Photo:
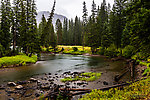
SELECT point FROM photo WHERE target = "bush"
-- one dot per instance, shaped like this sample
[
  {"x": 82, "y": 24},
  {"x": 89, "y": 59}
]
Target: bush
[
  {"x": 128, "y": 51},
  {"x": 75, "y": 48},
  {"x": 140, "y": 56},
  {"x": 111, "y": 51},
  {"x": 101, "y": 50}
]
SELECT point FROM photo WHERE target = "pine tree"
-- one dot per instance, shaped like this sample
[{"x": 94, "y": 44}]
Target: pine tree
[
  {"x": 59, "y": 31},
  {"x": 23, "y": 28},
  {"x": 49, "y": 37},
  {"x": 34, "y": 43},
  {"x": 42, "y": 25},
  {"x": 94, "y": 11},
  {"x": 65, "y": 32},
  {"x": 85, "y": 14},
  {"x": 102, "y": 20},
  {"x": 117, "y": 22},
  {"x": 137, "y": 26},
  {"x": 16, "y": 23},
  {"x": 71, "y": 31},
  {"x": 77, "y": 32},
  {"x": 5, "y": 24}
]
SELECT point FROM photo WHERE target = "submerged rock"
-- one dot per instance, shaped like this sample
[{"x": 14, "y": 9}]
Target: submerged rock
[
  {"x": 22, "y": 82},
  {"x": 2, "y": 87},
  {"x": 28, "y": 95},
  {"x": 19, "y": 87},
  {"x": 11, "y": 99},
  {"x": 37, "y": 94},
  {"x": 11, "y": 84},
  {"x": 33, "y": 79},
  {"x": 45, "y": 86},
  {"x": 105, "y": 83}
]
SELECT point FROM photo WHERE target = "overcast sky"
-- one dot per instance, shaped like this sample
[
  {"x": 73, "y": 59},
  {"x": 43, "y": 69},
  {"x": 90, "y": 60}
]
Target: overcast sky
[{"x": 68, "y": 8}]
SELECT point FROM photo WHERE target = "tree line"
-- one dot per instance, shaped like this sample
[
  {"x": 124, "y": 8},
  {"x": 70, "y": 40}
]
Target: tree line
[
  {"x": 126, "y": 25},
  {"x": 18, "y": 27}
]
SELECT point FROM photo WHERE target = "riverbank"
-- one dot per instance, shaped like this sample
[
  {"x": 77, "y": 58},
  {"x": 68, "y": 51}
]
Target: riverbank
[
  {"x": 40, "y": 85},
  {"x": 18, "y": 60}
]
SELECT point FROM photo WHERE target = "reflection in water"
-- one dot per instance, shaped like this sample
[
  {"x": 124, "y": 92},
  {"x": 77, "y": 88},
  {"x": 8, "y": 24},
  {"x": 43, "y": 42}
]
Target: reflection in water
[{"x": 53, "y": 63}]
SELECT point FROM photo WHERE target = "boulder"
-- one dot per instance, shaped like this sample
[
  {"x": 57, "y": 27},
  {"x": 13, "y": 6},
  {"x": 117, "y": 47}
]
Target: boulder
[
  {"x": 33, "y": 80},
  {"x": 19, "y": 87},
  {"x": 11, "y": 84},
  {"x": 45, "y": 86},
  {"x": 11, "y": 99}
]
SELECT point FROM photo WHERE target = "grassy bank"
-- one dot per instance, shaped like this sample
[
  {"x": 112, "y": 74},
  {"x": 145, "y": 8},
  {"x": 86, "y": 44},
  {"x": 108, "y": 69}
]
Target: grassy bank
[
  {"x": 17, "y": 60},
  {"x": 74, "y": 50},
  {"x": 139, "y": 90},
  {"x": 90, "y": 76}
]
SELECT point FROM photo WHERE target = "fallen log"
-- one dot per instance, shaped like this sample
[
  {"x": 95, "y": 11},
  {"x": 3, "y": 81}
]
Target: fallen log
[
  {"x": 52, "y": 92},
  {"x": 117, "y": 78}
]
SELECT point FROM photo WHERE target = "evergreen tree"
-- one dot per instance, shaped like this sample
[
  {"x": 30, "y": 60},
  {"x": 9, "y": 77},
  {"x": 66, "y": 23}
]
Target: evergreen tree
[
  {"x": 34, "y": 43},
  {"x": 48, "y": 36},
  {"x": 94, "y": 11},
  {"x": 5, "y": 24},
  {"x": 16, "y": 23},
  {"x": 77, "y": 32},
  {"x": 85, "y": 14},
  {"x": 117, "y": 22},
  {"x": 71, "y": 31},
  {"x": 42, "y": 25},
  {"x": 59, "y": 31},
  {"x": 137, "y": 26},
  {"x": 102, "y": 20},
  {"x": 65, "y": 32}
]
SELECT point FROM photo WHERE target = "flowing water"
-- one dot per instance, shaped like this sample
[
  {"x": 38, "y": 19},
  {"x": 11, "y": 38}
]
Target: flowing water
[{"x": 61, "y": 63}]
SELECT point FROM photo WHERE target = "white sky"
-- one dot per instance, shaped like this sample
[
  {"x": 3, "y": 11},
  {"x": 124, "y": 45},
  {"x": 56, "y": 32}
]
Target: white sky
[{"x": 68, "y": 8}]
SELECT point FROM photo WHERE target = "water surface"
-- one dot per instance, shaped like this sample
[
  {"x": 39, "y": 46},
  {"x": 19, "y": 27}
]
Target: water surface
[{"x": 61, "y": 63}]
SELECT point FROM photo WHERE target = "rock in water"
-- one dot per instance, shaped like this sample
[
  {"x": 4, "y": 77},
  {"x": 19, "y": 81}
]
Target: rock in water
[
  {"x": 105, "y": 83},
  {"x": 19, "y": 87},
  {"x": 2, "y": 87},
  {"x": 11, "y": 84},
  {"x": 45, "y": 86},
  {"x": 33, "y": 79},
  {"x": 11, "y": 99}
]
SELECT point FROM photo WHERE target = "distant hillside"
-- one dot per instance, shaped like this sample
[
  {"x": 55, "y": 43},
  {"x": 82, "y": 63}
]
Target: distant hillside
[{"x": 46, "y": 14}]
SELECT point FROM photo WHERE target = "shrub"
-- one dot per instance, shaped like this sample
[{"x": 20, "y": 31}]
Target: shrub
[
  {"x": 128, "y": 51},
  {"x": 140, "y": 56},
  {"x": 101, "y": 50},
  {"x": 75, "y": 48},
  {"x": 111, "y": 51}
]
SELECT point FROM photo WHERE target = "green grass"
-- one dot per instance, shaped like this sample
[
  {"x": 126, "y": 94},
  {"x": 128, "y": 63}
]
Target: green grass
[
  {"x": 18, "y": 59},
  {"x": 90, "y": 76},
  {"x": 69, "y": 49},
  {"x": 139, "y": 90}
]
